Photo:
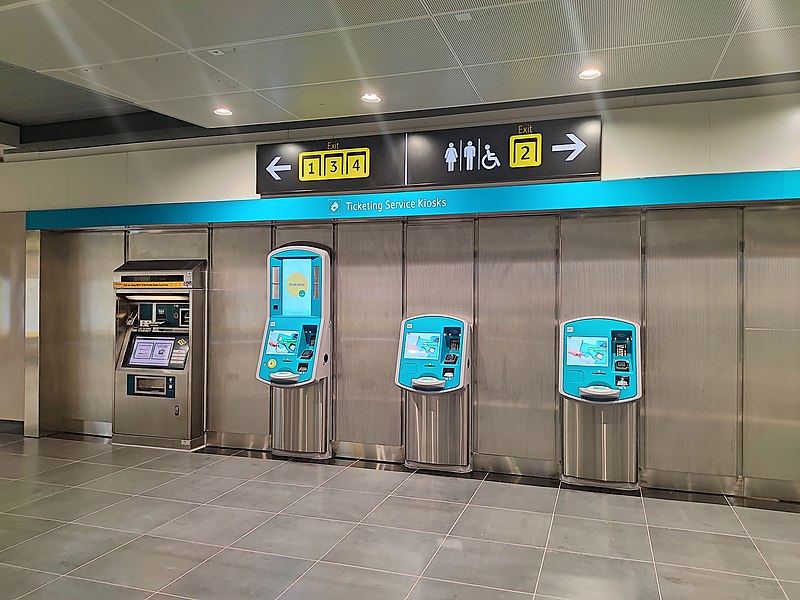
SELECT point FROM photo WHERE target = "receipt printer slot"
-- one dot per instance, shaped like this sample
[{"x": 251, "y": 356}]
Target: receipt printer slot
[{"x": 154, "y": 386}]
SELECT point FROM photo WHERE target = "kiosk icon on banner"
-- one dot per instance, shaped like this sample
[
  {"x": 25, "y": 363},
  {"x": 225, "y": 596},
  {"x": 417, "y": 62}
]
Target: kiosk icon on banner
[{"x": 466, "y": 156}]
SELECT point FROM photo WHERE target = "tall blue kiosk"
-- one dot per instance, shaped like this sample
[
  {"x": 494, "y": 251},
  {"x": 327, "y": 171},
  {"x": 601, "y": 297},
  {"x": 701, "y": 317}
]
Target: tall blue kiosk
[
  {"x": 434, "y": 366},
  {"x": 295, "y": 357},
  {"x": 600, "y": 384}
]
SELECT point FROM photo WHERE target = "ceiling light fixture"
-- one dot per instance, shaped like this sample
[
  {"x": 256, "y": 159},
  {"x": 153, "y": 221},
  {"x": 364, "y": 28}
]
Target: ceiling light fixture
[
  {"x": 372, "y": 98},
  {"x": 223, "y": 112},
  {"x": 590, "y": 73}
]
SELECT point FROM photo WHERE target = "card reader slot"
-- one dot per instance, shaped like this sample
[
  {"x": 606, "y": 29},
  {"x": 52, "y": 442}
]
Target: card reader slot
[
  {"x": 155, "y": 386},
  {"x": 428, "y": 383}
]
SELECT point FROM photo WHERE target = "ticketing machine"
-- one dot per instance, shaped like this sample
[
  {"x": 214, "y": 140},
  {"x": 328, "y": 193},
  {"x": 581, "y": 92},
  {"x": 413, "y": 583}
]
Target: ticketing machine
[
  {"x": 434, "y": 367},
  {"x": 295, "y": 357},
  {"x": 600, "y": 383},
  {"x": 159, "y": 383}
]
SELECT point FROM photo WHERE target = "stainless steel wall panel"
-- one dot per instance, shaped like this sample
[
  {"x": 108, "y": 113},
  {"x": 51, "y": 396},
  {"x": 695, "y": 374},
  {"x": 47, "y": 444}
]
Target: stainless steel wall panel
[
  {"x": 167, "y": 244},
  {"x": 51, "y": 351},
  {"x": 369, "y": 309},
  {"x": 12, "y": 315},
  {"x": 515, "y": 338},
  {"x": 33, "y": 260},
  {"x": 692, "y": 341},
  {"x": 440, "y": 268},
  {"x": 601, "y": 266},
  {"x": 237, "y": 402},
  {"x": 319, "y": 234}
]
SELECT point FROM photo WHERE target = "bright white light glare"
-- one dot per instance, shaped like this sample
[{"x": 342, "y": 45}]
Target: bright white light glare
[
  {"x": 223, "y": 112},
  {"x": 371, "y": 97},
  {"x": 590, "y": 73}
]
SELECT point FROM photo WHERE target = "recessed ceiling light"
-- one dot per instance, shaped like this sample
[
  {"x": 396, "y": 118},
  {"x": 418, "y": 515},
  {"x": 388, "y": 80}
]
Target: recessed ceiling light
[
  {"x": 223, "y": 112},
  {"x": 371, "y": 98},
  {"x": 590, "y": 73}
]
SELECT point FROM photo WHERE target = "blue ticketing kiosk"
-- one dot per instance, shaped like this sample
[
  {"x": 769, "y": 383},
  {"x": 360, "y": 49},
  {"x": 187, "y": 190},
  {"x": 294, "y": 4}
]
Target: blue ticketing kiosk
[
  {"x": 295, "y": 357},
  {"x": 434, "y": 366},
  {"x": 600, "y": 383}
]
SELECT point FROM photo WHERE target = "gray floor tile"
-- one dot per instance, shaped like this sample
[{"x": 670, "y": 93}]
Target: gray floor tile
[
  {"x": 17, "y": 466},
  {"x": 300, "y": 473},
  {"x": 271, "y": 497},
  {"x": 69, "y": 505},
  {"x": 792, "y": 589},
  {"x": 336, "y": 504},
  {"x": 698, "y": 516},
  {"x": 127, "y": 456},
  {"x": 397, "y": 550},
  {"x": 618, "y": 540},
  {"x": 15, "y": 529},
  {"x": 303, "y": 537},
  {"x": 337, "y": 582},
  {"x": 131, "y": 481},
  {"x": 516, "y": 497},
  {"x": 782, "y": 557},
  {"x": 413, "y": 513},
  {"x": 595, "y": 505},
  {"x": 8, "y": 438},
  {"x": 436, "y": 487},
  {"x": 64, "y": 549},
  {"x": 429, "y": 589},
  {"x": 67, "y": 588},
  {"x": 15, "y": 493},
  {"x": 194, "y": 488},
  {"x": 771, "y": 524},
  {"x": 74, "y": 474},
  {"x": 16, "y": 582},
  {"x": 367, "y": 480},
  {"x": 181, "y": 462},
  {"x": 212, "y": 525},
  {"x": 500, "y": 525},
  {"x": 487, "y": 563},
  {"x": 32, "y": 446},
  {"x": 76, "y": 450},
  {"x": 147, "y": 563},
  {"x": 708, "y": 551},
  {"x": 138, "y": 514},
  {"x": 236, "y": 575},
  {"x": 582, "y": 577},
  {"x": 679, "y": 583},
  {"x": 239, "y": 467}
]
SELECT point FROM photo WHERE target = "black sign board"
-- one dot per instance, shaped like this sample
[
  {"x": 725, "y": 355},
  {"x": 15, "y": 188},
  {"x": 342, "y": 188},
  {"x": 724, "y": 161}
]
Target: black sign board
[
  {"x": 525, "y": 151},
  {"x": 331, "y": 165}
]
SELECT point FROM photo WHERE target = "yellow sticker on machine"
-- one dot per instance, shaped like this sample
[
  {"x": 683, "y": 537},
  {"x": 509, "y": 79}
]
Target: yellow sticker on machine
[
  {"x": 118, "y": 285},
  {"x": 324, "y": 165}
]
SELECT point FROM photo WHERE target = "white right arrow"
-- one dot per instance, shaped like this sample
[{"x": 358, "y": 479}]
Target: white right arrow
[
  {"x": 273, "y": 168},
  {"x": 576, "y": 147}
]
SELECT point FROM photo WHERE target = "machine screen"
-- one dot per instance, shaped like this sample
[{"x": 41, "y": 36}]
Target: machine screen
[
  {"x": 282, "y": 342},
  {"x": 587, "y": 351},
  {"x": 422, "y": 345},
  {"x": 151, "y": 351},
  {"x": 295, "y": 281}
]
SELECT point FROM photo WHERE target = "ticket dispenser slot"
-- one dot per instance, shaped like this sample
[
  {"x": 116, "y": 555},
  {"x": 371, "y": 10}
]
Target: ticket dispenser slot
[
  {"x": 600, "y": 384},
  {"x": 433, "y": 366},
  {"x": 296, "y": 349}
]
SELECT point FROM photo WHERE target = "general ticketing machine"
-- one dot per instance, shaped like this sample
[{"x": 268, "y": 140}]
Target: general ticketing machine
[
  {"x": 600, "y": 383},
  {"x": 295, "y": 357},
  {"x": 159, "y": 383},
  {"x": 434, "y": 367}
]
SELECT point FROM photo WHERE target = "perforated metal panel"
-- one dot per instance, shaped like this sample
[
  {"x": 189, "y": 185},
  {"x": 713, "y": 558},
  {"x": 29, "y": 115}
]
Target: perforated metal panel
[
  {"x": 768, "y": 14},
  {"x": 760, "y": 53},
  {"x": 167, "y": 244},
  {"x": 247, "y": 107}
]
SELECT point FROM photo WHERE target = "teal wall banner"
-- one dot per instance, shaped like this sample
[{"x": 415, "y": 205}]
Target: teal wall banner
[{"x": 661, "y": 191}]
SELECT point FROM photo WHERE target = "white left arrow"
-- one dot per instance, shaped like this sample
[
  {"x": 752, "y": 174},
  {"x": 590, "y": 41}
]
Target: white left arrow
[
  {"x": 274, "y": 168},
  {"x": 577, "y": 146}
]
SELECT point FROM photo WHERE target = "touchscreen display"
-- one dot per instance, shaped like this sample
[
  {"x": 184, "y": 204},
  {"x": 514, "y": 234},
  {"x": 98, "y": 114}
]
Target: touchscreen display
[
  {"x": 587, "y": 351},
  {"x": 282, "y": 342},
  {"x": 295, "y": 281},
  {"x": 422, "y": 345},
  {"x": 151, "y": 351}
]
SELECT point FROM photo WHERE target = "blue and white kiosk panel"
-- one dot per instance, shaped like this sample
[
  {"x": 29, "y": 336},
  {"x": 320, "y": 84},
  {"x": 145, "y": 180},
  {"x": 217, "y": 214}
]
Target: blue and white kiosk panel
[
  {"x": 296, "y": 345},
  {"x": 434, "y": 354},
  {"x": 600, "y": 360}
]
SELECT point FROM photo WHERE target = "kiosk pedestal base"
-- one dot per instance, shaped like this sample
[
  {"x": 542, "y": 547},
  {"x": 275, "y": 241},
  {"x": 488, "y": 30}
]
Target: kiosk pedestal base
[
  {"x": 438, "y": 431},
  {"x": 301, "y": 421},
  {"x": 600, "y": 443}
]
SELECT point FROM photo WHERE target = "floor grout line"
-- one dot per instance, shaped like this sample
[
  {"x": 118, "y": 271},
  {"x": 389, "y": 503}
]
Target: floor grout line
[
  {"x": 652, "y": 551},
  {"x": 547, "y": 542}
]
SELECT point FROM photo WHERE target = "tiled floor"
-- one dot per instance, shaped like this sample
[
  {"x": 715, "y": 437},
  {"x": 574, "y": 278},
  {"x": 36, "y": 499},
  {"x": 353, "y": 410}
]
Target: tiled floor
[{"x": 80, "y": 520}]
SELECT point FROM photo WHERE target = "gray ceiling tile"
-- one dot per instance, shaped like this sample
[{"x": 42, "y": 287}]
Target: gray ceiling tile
[
  {"x": 202, "y": 23},
  {"x": 768, "y": 14},
  {"x": 171, "y": 76},
  {"x": 248, "y": 109},
  {"x": 62, "y": 34},
  {"x": 368, "y": 52},
  {"x": 400, "y": 93},
  {"x": 761, "y": 53}
]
